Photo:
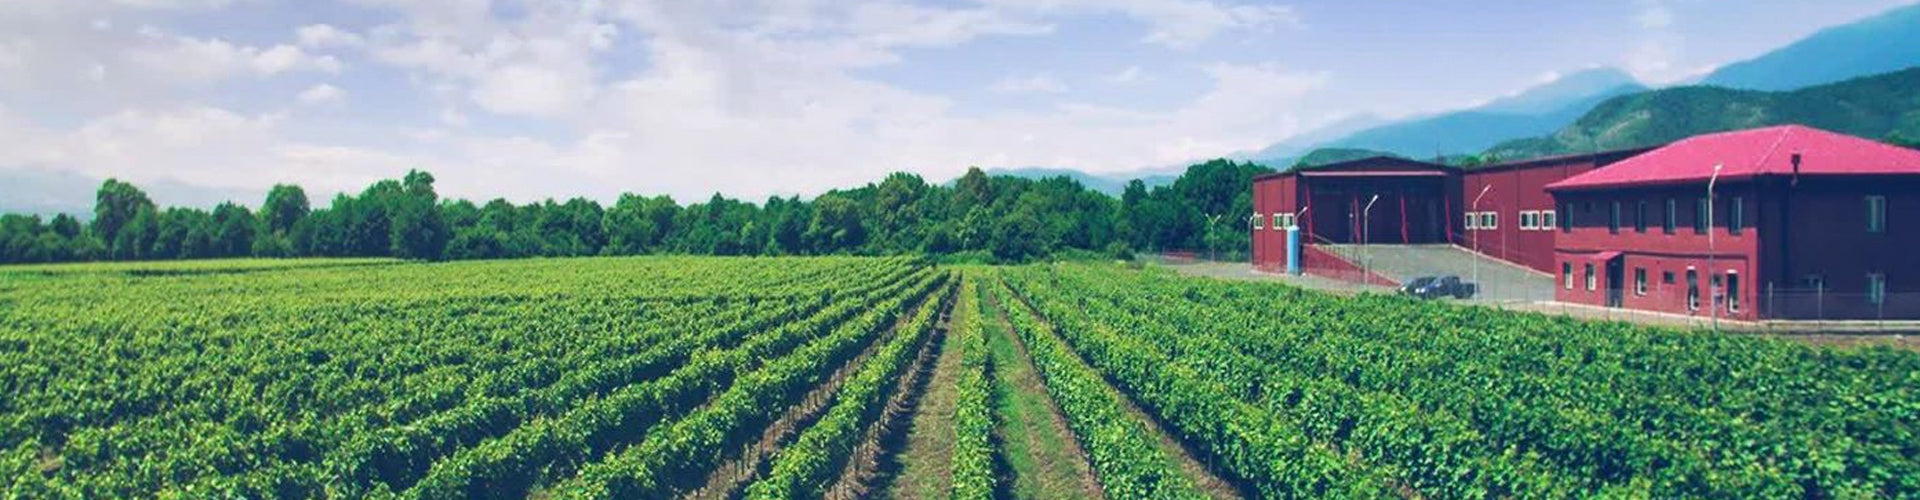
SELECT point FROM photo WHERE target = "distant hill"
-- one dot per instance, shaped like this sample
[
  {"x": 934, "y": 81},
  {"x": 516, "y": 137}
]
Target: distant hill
[
  {"x": 1880, "y": 44},
  {"x": 1875, "y": 107},
  {"x": 1536, "y": 111},
  {"x": 1111, "y": 184},
  {"x": 1325, "y": 156},
  {"x": 1289, "y": 151},
  {"x": 28, "y": 190}
]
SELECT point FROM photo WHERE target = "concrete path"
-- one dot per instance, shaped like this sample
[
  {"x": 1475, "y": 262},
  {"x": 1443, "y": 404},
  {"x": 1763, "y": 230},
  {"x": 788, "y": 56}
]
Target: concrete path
[{"x": 1500, "y": 281}]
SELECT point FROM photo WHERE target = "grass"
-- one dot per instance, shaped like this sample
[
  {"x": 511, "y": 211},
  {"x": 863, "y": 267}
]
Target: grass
[
  {"x": 926, "y": 463},
  {"x": 1044, "y": 459}
]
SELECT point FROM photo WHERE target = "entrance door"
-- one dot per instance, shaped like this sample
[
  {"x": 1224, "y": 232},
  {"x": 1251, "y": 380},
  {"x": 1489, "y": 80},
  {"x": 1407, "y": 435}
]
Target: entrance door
[{"x": 1616, "y": 271}]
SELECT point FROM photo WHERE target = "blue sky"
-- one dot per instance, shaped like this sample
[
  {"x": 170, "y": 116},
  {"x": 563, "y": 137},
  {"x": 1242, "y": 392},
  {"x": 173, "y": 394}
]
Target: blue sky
[{"x": 534, "y": 99}]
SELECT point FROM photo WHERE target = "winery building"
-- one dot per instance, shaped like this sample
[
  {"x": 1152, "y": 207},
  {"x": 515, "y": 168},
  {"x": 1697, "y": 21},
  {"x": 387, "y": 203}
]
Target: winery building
[{"x": 1804, "y": 223}]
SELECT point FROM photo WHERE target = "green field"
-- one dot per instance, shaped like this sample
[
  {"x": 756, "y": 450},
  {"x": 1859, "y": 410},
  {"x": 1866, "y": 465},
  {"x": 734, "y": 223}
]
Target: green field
[{"x": 849, "y": 377}]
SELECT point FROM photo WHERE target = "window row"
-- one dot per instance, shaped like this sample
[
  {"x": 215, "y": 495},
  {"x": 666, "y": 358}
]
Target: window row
[
  {"x": 1536, "y": 220},
  {"x": 1483, "y": 221},
  {"x": 1640, "y": 215},
  {"x": 1281, "y": 221}
]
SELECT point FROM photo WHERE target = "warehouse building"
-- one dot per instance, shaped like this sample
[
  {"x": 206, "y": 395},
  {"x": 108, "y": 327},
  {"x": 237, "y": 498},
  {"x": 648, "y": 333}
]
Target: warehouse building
[{"x": 1804, "y": 223}]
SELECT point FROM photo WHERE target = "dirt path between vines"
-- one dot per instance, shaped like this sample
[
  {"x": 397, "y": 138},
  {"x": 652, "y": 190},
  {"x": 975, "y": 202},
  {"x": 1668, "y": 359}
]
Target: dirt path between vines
[
  {"x": 884, "y": 439},
  {"x": 1047, "y": 462},
  {"x": 1203, "y": 476},
  {"x": 728, "y": 480},
  {"x": 923, "y": 469}
]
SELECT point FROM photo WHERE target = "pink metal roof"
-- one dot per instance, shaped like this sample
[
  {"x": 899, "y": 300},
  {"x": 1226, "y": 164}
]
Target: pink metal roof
[{"x": 1751, "y": 153}]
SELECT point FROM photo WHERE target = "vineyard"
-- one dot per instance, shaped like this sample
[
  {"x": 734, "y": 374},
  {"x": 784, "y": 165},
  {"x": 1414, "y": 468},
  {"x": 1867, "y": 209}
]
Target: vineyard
[{"x": 854, "y": 377}]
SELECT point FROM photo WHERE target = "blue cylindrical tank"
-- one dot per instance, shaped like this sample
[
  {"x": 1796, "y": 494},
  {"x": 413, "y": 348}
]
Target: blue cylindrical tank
[{"x": 1293, "y": 250}]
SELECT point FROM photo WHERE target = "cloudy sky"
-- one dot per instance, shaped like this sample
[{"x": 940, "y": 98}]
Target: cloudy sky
[{"x": 527, "y": 99}]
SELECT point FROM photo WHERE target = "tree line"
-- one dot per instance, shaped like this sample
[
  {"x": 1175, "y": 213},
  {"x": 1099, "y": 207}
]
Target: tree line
[{"x": 977, "y": 217}]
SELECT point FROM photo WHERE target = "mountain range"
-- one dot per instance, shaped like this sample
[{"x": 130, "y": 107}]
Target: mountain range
[{"x": 1878, "y": 106}]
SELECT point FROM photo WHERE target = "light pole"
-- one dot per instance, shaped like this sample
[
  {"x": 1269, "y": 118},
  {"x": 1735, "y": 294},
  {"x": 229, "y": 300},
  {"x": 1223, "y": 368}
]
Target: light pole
[
  {"x": 1713, "y": 275},
  {"x": 1213, "y": 245},
  {"x": 1366, "y": 255},
  {"x": 1475, "y": 209}
]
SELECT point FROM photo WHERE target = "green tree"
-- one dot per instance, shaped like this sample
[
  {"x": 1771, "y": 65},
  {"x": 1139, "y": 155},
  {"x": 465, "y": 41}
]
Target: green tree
[
  {"x": 418, "y": 231},
  {"x": 115, "y": 205}
]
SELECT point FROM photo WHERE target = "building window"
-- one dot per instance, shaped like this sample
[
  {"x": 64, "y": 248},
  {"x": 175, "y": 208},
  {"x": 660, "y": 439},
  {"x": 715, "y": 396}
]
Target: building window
[
  {"x": 1526, "y": 220},
  {"x": 1673, "y": 215},
  {"x": 1566, "y": 274},
  {"x": 1639, "y": 281},
  {"x": 1493, "y": 220},
  {"x": 1737, "y": 217},
  {"x": 1546, "y": 220},
  {"x": 1591, "y": 282},
  {"x": 1700, "y": 214},
  {"x": 1473, "y": 221},
  {"x": 1693, "y": 290},
  {"x": 1666, "y": 278},
  {"x": 1876, "y": 214},
  {"x": 1733, "y": 291},
  {"x": 1613, "y": 219},
  {"x": 1640, "y": 217},
  {"x": 1292, "y": 221},
  {"x": 1260, "y": 222},
  {"x": 1877, "y": 289}
]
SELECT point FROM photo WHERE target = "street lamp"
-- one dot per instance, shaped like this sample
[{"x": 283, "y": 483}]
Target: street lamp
[
  {"x": 1213, "y": 246},
  {"x": 1713, "y": 275},
  {"x": 1474, "y": 209},
  {"x": 1366, "y": 255}
]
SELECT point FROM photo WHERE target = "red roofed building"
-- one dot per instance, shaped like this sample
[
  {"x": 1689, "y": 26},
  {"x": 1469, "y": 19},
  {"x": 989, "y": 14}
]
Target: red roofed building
[{"x": 1805, "y": 224}]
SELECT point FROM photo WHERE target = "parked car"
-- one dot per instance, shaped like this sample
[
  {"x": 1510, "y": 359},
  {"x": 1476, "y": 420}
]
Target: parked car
[{"x": 1433, "y": 287}]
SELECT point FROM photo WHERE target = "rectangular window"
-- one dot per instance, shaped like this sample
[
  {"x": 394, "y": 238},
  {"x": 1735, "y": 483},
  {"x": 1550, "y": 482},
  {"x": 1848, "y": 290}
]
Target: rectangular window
[
  {"x": 1292, "y": 221},
  {"x": 1592, "y": 283},
  {"x": 1260, "y": 222},
  {"x": 1876, "y": 214},
  {"x": 1673, "y": 215},
  {"x": 1692, "y": 289},
  {"x": 1700, "y": 215},
  {"x": 1613, "y": 219},
  {"x": 1546, "y": 219},
  {"x": 1525, "y": 223},
  {"x": 1566, "y": 274},
  {"x": 1473, "y": 221},
  {"x": 1666, "y": 277},
  {"x": 1493, "y": 220},
  {"x": 1640, "y": 217},
  {"x": 1877, "y": 289},
  {"x": 1639, "y": 281},
  {"x": 1733, "y": 291},
  {"x": 1737, "y": 216}
]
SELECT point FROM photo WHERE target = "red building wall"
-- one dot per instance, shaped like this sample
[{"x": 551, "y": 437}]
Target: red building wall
[
  {"x": 1511, "y": 189},
  {"x": 1657, "y": 252},
  {"x": 1823, "y": 232},
  {"x": 1272, "y": 194}
]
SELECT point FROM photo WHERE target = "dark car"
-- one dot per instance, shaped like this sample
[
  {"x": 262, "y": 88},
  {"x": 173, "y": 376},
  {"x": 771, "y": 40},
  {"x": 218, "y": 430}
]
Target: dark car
[{"x": 1433, "y": 287}]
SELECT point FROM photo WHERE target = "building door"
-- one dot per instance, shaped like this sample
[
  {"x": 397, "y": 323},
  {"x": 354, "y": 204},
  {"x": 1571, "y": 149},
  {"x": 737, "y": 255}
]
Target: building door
[{"x": 1616, "y": 273}]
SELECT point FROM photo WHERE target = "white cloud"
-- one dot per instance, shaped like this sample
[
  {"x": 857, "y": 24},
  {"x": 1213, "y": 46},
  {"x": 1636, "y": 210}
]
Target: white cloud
[
  {"x": 1653, "y": 15},
  {"x": 1129, "y": 75},
  {"x": 1030, "y": 84},
  {"x": 531, "y": 90},
  {"x": 1176, "y": 23},
  {"x": 321, "y": 94},
  {"x": 200, "y": 60},
  {"x": 772, "y": 92},
  {"x": 325, "y": 35}
]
